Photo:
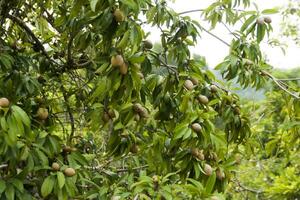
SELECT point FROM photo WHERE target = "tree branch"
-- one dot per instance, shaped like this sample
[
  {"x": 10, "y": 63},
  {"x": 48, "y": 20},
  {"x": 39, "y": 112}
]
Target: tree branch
[{"x": 29, "y": 32}]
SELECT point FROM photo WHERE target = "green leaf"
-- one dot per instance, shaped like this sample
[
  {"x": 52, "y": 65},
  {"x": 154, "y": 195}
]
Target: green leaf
[
  {"x": 61, "y": 179},
  {"x": 270, "y": 11},
  {"x": 93, "y": 4},
  {"x": 10, "y": 192},
  {"x": 18, "y": 184},
  {"x": 47, "y": 186},
  {"x": 260, "y": 34},
  {"x": 2, "y": 186},
  {"x": 210, "y": 183},
  {"x": 20, "y": 113}
]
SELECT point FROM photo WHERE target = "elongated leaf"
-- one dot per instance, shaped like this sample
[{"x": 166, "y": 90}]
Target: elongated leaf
[
  {"x": 61, "y": 179},
  {"x": 47, "y": 186}
]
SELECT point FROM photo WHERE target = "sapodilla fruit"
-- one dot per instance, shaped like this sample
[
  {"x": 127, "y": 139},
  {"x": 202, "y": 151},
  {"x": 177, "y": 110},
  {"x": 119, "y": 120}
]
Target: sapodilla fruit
[
  {"x": 119, "y": 15},
  {"x": 69, "y": 172},
  {"x": 123, "y": 68},
  {"x": 213, "y": 88},
  {"x": 203, "y": 99},
  {"x": 260, "y": 21},
  {"x": 42, "y": 113},
  {"x": 117, "y": 61},
  {"x": 268, "y": 20},
  {"x": 148, "y": 44},
  {"x": 188, "y": 84},
  {"x": 55, "y": 166},
  {"x": 4, "y": 102},
  {"x": 196, "y": 127},
  {"x": 207, "y": 169}
]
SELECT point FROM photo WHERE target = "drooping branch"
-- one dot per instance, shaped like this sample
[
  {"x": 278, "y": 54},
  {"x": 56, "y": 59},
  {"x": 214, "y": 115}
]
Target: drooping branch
[{"x": 30, "y": 33}]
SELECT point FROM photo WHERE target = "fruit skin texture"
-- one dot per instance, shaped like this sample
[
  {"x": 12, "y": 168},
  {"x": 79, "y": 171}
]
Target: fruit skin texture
[
  {"x": 119, "y": 15},
  {"x": 117, "y": 61},
  {"x": 148, "y": 44},
  {"x": 268, "y": 20},
  {"x": 220, "y": 174},
  {"x": 42, "y": 113},
  {"x": 194, "y": 81},
  {"x": 188, "y": 84},
  {"x": 207, "y": 169},
  {"x": 196, "y": 127},
  {"x": 213, "y": 88},
  {"x": 203, "y": 99},
  {"x": 197, "y": 153},
  {"x": 69, "y": 172},
  {"x": 260, "y": 21},
  {"x": 124, "y": 68},
  {"x": 55, "y": 166},
  {"x": 4, "y": 102}
]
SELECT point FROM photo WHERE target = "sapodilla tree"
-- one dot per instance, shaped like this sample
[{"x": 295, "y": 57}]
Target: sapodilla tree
[{"x": 93, "y": 58}]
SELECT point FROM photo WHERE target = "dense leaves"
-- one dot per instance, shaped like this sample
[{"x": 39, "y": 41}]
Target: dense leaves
[{"x": 95, "y": 112}]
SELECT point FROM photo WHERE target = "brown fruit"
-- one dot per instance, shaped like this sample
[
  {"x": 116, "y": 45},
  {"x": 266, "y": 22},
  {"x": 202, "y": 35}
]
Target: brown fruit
[
  {"x": 105, "y": 117},
  {"x": 111, "y": 113},
  {"x": 188, "y": 84},
  {"x": 207, "y": 169},
  {"x": 260, "y": 21},
  {"x": 119, "y": 15},
  {"x": 237, "y": 110},
  {"x": 124, "y": 68},
  {"x": 67, "y": 149},
  {"x": 134, "y": 149},
  {"x": 238, "y": 159},
  {"x": 137, "y": 107},
  {"x": 213, "y": 88},
  {"x": 220, "y": 174},
  {"x": 293, "y": 11},
  {"x": 4, "y": 102},
  {"x": 155, "y": 179},
  {"x": 117, "y": 61},
  {"x": 69, "y": 172},
  {"x": 203, "y": 99},
  {"x": 194, "y": 81},
  {"x": 268, "y": 20},
  {"x": 137, "y": 117},
  {"x": 42, "y": 113},
  {"x": 200, "y": 155},
  {"x": 148, "y": 44},
  {"x": 55, "y": 166},
  {"x": 194, "y": 152},
  {"x": 196, "y": 127},
  {"x": 144, "y": 113}
]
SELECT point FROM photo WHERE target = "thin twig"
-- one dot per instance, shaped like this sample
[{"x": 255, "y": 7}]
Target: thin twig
[{"x": 276, "y": 81}]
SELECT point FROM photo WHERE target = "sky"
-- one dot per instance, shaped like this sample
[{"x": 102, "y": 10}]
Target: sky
[{"x": 215, "y": 51}]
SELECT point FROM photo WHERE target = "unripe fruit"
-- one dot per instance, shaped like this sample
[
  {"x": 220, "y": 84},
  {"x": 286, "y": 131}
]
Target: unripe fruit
[
  {"x": 260, "y": 21},
  {"x": 220, "y": 174},
  {"x": 194, "y": 81},
  {"x": 69, "y": 172},
  {"x": 207, "y": 169},
  {"x": 196, "y": 127},
  {"x": 42, "y": 113},
  {"x": 148, "y": 44},
  {"x": 124, "y": 69},
  {"x": 213, "y": 89},
  {"x": 119, "y": 15},
  {"x": 188, "y": 84},
  {"x": 55, "y": 166},
  {"x": 4, "y": 102},
  {"x": 268, "y": 20},
  {"x": 203, "y": 99},
  {"x": 117, "y": 61}
]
